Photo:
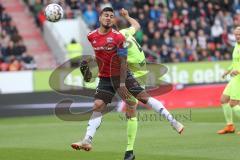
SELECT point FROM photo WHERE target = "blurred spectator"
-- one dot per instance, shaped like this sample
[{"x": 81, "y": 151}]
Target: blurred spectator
[
  {"x": 178, "y": 40},
  {"x": 210, "y": 12},
  {"x": 180, "y": 54},
  {"x": 155, "y": 13},
  {"x": 41, "y": 18},
  {"x": 143, "y": 22},
  {"x": 193, "y": 26},
  {"x": 20, "y": 48},
  {"x": 74, "y": 4},
  {"x": 204, "y": 26},
  {"x": 4, "y": 66},
  {"x": 167, "y": 39},
  {"x": 224, "y": 36},
  {"x": 10, "y": 50},
  {"x": 15, "y": 65},
  {"x": 227, "y": 19},
  {"x": 105, "y": 3},
  {"x": 90, "y": 16},
  {"x": 193, "y": 12},
  {"x": 217, "y": 56},
  {"x": 231, "y": 38},
  {"x": 202, "y": 39},
  {"x": 174, "y": 58},
  {"x": 204, "y": 55},
  {"x": 191, "y": 41},
  {"x": 118, "y": 5},
  {"x": 176, "y": 21},
  {"x": 36, "y": 9},
  {"x": 128, "y": 4},
  {"x": 163, "y": 23},
  {"x": 216, "y": 31},
  {"x": 28, "y": 62},
  {"x": 156, "y": 39},
  {"x": 165, "y": 54}
]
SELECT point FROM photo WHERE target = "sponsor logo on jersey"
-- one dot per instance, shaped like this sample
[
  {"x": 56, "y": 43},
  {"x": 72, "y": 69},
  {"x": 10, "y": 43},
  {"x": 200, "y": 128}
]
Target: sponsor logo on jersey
[
  {"x": 109, "y": 39},
  {"x": 109, "y": 47}
]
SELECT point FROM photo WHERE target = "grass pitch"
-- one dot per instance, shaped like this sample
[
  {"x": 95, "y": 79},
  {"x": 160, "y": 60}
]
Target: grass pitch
[{"x": 48, "y": 138}]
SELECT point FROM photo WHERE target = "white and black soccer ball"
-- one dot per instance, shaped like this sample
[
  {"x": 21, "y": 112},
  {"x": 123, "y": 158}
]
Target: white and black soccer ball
[{"x": 54, "y": 12}]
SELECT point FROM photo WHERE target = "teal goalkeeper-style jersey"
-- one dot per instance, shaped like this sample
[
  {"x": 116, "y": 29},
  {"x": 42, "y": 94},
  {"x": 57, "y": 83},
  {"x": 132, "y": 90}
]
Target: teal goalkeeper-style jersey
[
  {"x": 136, "y": 58},
  {"x": 235, "y": 65}
]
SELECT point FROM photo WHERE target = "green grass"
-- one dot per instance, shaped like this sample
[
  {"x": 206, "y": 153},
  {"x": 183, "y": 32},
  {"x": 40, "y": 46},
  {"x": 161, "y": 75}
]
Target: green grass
[{"x": 48, "y": 138}]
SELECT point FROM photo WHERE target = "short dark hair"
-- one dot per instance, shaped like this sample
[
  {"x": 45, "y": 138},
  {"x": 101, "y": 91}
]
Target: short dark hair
[{"x": 107, "y": 9}]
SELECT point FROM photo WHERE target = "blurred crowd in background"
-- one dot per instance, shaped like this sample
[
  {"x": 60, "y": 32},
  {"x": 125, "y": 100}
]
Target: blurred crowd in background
[
  {"x": 13, "y": 56},
  {"x": 175, "y": 30},
  {"x": 171, "y": 30}
]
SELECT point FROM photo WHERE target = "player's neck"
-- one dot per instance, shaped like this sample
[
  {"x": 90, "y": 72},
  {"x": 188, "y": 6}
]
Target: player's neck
[{"x": 103, "y": 30}]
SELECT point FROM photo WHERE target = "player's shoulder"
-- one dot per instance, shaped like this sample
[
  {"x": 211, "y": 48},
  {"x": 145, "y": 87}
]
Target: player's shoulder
[
  {"x": 126, "y": 29},
  {"x": 117, "y": 34},
  {"x": 122, "y": 31},
  {"x": 92, "y": 33},
  {"x": 130, "y": 31}
]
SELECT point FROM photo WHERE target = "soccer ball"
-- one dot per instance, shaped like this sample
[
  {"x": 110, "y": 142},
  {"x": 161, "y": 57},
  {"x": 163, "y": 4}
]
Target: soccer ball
[{"x": 53, "y": 12}]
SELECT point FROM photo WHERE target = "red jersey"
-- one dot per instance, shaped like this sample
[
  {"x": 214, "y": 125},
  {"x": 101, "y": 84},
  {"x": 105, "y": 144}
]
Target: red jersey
[{"x": 105, "y": 47}]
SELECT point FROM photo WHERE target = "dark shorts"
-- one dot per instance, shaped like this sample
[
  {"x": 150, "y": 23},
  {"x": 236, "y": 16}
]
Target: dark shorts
[{"x": 107, "y": 87}]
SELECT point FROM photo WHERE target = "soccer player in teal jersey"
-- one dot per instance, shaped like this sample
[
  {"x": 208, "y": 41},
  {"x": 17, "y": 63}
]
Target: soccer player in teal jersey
[
  {"x": 137, "y": 65},
  {"x": 230, "y": 98}
]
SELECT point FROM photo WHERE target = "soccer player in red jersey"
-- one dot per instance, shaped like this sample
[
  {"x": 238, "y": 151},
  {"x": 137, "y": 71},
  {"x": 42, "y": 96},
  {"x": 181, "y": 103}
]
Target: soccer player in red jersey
[
  {"x": 111, "y": 57},
  {"x": 110, "y": 54}
]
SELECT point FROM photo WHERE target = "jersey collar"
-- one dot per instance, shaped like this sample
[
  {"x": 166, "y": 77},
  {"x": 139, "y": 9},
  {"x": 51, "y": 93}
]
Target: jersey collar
[{"x": 103, "y": 33}]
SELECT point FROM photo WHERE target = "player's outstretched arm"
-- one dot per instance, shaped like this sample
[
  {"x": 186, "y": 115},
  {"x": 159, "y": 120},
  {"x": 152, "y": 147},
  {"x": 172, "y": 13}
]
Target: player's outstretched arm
[{"x": 132, "y": 21}]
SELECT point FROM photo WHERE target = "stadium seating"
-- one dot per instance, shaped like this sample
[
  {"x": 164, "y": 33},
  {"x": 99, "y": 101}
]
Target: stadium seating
[
  {"x": 172, "y": 31},
  {"x": 13, "y": 56}
]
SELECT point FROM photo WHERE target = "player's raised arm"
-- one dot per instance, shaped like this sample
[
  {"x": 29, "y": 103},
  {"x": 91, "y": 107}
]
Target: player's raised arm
[{"x": 133, "y": 22}]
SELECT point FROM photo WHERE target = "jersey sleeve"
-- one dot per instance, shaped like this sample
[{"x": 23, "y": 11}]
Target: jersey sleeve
[
  {"x": 131, "y": 31},
  {"x": 122, "y": 48},
  {"x": 88, "y": 37}
]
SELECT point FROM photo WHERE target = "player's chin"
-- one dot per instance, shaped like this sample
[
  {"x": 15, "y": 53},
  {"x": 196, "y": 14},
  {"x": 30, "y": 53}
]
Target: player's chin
[{"x": 107, "y": 26}]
